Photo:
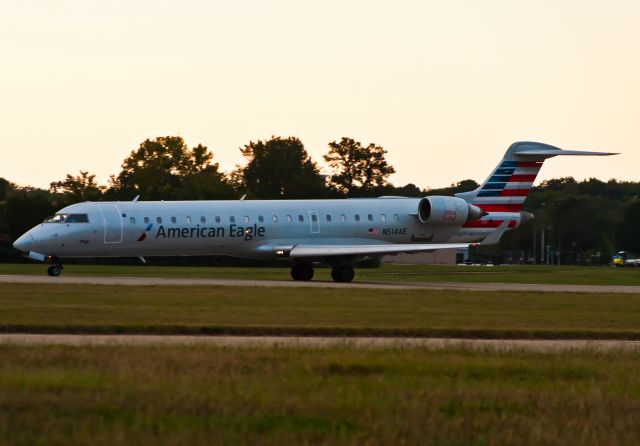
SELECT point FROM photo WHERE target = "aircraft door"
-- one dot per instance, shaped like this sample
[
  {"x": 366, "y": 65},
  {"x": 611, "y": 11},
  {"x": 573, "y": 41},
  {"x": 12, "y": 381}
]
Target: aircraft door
[
  {"x": 112, "y": 222},
  {"x": 314, "y": 221}
]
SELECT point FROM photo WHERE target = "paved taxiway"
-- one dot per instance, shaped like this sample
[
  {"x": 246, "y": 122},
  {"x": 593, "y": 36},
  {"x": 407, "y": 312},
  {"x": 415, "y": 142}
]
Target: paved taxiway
[
  {"x": 535, "y": 345},
  {"x": 152, "y": 281}
]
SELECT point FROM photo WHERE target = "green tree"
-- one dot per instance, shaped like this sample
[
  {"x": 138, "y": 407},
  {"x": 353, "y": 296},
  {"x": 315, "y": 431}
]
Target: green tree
[
  {"x": 460, "y": 186},
  {"x": 279, "y": 168},
  {"x": 628, "y": 230},
  {"x": 358, "y": 169},
  {"x": 79, "y": 188},
  {"x": 26, "y": 207},
  {"x": 165, "y": 168},
  {"x": 5, "y": 188}
]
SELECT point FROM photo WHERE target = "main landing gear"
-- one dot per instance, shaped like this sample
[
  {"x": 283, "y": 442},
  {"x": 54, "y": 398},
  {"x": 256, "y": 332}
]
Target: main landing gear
[
  {"x": 302, "y": 271},
  {"x": 55, "y": 269},
  {"x": 342, "y": 273},
  {"x": 339, "y": 273}
]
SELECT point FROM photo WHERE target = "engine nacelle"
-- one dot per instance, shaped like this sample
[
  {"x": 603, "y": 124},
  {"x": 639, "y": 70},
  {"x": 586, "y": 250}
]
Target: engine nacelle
[{"x": 446, "y": 211}]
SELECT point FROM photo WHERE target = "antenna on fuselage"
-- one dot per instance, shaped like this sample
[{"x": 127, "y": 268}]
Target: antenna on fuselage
[
  {"x": 136, "y": 199},
  {"x": 243, "y": 197}
]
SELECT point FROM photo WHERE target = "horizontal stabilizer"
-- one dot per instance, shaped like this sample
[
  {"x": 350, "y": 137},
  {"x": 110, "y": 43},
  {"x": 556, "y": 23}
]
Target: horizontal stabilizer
[
  {"x": 302, "y": 251},
  {"x": 554, "y": 152}
]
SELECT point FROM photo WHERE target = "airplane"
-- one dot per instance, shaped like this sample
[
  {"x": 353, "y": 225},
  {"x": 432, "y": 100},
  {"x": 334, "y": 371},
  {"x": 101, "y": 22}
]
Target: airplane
[{"x": 339, "y": 232}]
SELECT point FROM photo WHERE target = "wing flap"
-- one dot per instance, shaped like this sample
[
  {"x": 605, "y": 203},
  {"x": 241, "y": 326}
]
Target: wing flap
[{"x": 302, "y": 251}]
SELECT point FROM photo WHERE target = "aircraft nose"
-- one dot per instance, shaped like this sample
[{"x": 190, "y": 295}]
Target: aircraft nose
[{"x": 24, "y": 242}]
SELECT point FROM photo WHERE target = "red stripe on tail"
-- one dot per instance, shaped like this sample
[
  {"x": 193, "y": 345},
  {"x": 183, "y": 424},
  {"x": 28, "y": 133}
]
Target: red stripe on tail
[
  {"x": 514, "y": 192},
  {"x": 522, "y": 178},
  {"x": 500, "y": 207}
]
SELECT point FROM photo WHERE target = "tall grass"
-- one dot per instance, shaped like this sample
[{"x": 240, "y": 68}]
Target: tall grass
[{"x": 206, "y": 395}]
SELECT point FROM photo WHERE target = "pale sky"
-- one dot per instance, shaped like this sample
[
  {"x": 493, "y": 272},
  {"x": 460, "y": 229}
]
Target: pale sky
[{"x": 444, "y": 86}]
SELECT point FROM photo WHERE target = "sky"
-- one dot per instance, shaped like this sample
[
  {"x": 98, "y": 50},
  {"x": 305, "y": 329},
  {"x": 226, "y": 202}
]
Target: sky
[{"x": 445, "y": 87}]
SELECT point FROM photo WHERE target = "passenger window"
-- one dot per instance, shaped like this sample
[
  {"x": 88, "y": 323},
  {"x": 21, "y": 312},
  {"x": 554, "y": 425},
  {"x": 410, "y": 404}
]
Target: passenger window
[
  {"x": 370, "y": 217},
  {"x": 132, "y": 220},
  {"x": 159, "y": 220},
  {"x": 173, "y": 220},
  {"x": 146, "y": 220},
  {"x": 217, "y": 219},
  {"x": 246, "y": 219},
  {"x": 357, "y": 217},
  {"x": 289, "y": 219},
  {"x": 260, "y": 218},
  {"x": 383, "y": 217},
  {"x": 203, "y": 219},
  {"x": 300, "y": 218},
  {"x": 314, "y": 218},
  {"x": 396, "y": 217},
  {"x": 188, "y": 219},
  {"x": 343, "y": 217},
  {"x": 274, "y": 218},
  {"x": 232, "y": 219},
  {"x": 328, "y": 217}
]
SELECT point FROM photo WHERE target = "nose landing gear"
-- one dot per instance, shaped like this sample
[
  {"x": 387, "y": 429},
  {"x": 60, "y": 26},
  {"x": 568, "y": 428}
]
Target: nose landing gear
[{"x": 56, "y": 268}]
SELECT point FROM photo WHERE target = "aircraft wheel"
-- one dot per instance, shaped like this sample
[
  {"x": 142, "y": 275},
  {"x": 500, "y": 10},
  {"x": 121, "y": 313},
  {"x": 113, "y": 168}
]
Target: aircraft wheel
[
  {"x": 342, "y": 273},
  {"x": 54, "y": 270},
  {"x": 302, "y": 271}
]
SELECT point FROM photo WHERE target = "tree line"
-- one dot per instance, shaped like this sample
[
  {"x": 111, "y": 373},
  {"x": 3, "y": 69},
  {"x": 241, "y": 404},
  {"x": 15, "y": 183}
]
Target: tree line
[{"x": 581, "y": 220}]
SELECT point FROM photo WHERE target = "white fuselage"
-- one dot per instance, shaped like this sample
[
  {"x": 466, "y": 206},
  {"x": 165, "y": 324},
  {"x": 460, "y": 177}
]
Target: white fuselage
[{"x": 247, "y": 229}]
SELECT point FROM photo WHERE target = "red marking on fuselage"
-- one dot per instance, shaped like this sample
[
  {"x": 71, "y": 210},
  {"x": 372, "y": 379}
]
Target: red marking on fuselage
[{"x": 142, "y": 237}]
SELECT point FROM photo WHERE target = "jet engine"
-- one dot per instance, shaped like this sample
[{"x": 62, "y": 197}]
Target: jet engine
[{"x": 447, "y": 211}]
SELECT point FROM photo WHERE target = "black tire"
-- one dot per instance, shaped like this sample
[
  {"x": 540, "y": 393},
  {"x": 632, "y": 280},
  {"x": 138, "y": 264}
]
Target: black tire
[
  {"x": 302, "y": 271},
  {"x": 342, "y": 273},
  {"x": 54, "y": 270}
]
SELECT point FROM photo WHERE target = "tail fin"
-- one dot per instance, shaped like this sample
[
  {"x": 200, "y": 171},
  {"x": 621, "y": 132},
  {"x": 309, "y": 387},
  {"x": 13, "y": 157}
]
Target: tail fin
[{"x": 506, "y": 189}]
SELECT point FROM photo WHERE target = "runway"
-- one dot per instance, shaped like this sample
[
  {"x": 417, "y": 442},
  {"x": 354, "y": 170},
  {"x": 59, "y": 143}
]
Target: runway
[
  {"x": 153, "y": 281},
  {"x": 533, "y": 345}
]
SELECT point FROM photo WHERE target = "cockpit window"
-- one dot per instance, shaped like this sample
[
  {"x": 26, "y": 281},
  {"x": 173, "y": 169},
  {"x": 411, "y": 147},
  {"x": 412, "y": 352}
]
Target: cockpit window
[
  {"x": 77, "y": 218},
  {"x": 58, "y": 218},
  {"x": 68, "y": 218}
]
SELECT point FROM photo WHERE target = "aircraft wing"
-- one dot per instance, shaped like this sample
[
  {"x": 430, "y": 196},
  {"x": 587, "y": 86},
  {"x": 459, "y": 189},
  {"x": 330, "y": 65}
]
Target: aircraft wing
[{"x": 302, "y": 251}]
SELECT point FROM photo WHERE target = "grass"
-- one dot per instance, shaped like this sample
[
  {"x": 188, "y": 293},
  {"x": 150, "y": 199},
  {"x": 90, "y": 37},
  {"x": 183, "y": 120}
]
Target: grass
[
  {"x": 207, "y": 395},
  {"x": 316, "y": 311},
  {"x": 577, "y": 275}
]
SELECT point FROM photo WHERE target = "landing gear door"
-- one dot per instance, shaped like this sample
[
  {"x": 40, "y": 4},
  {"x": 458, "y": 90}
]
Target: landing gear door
[{"x": 112, "y": 223}]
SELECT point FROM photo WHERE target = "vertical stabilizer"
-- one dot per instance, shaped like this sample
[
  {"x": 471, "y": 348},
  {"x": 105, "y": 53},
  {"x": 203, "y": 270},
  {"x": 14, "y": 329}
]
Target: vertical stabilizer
[
  {"x": 506, "y": 189},
  {"x": 502, "y": 195}
]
